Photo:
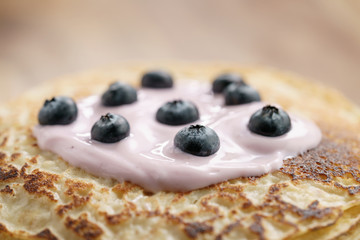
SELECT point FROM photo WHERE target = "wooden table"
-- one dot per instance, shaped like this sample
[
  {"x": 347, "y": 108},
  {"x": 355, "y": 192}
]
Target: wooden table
[{"x": 40, "y": 40}]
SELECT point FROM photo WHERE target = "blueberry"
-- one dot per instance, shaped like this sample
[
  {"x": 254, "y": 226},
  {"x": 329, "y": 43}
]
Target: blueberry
[
  {"x": 58, "y": 111},
  {"x": 157, "y": 79},
  {"x": 177, "y": 112},
  {"x": 197, "y": 140},
  {"x": 224, "y": 80},
  {"x": 240, "y": 94},
  {"x": 270, "y": 122},
  {"x": 119, "y": 94},
  {"x": 110, "y": 128}
]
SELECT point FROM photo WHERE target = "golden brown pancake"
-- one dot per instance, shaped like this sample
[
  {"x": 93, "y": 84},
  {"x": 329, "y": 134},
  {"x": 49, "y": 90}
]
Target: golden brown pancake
[{"x": 315, "y": 195}]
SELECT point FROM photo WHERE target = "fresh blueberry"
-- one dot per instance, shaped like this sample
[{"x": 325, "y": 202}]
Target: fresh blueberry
[
  {"x": 197, "y": 140},
  {"x": 240, "y": 94},
  {"x": 270, "y": 122},
  {"x": 177, "y": 112},
  {"x": 224, "y": 80},
  {"x": 58, "y": 111},
  {"x": 119, "y": 94},
  {"x": 110, "y": 128},
  {"x": 157, "y": 79}
]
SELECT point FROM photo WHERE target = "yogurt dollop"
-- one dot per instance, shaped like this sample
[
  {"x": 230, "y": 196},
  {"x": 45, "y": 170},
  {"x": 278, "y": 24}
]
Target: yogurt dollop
[{"x": 147, "y": 157}]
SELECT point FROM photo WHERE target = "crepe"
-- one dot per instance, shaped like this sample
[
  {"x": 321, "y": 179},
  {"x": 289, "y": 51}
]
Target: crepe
[{"x": 315, "y": 195}]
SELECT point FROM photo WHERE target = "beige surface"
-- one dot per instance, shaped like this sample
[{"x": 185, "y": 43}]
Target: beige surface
[{"x": 40, "y": 40}]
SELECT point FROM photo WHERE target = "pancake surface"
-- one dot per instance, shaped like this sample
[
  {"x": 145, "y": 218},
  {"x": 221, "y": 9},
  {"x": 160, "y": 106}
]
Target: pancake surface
[{"x": 315, "y": 195}]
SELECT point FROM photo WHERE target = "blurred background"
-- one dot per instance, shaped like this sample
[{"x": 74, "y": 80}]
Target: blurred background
[{"x": 40, "y": 40}]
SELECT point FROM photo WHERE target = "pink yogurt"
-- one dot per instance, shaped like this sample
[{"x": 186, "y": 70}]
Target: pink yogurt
[{"x": 148, "y": 157}]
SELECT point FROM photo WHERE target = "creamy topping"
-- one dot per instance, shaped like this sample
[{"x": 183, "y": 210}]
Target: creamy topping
[{"x": 148, "y": 157}]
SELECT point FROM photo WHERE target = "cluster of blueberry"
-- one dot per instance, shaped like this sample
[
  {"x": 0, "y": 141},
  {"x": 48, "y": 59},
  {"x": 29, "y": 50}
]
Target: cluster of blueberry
[{"x": 194, "y": 139}]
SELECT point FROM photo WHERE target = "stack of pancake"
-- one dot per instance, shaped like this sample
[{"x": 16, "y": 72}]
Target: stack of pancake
[{"x": 315, "y": 195}]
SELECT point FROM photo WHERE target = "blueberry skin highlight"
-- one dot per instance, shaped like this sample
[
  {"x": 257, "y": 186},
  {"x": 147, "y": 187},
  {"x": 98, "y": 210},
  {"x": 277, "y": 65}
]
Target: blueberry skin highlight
[
  {"x": 224, "y": 80},
  {"x": 177, "y": 112},
  {"x": 157, "y": 79},
  {"x": 197, "y": 140},
  {"x": 59, "y": 110},
  {"x": 110, "y": 128},
  {"x": 236, "y": 94},
  {"x": 118, "y": 94},
  {"x": 270, "y": 122}
]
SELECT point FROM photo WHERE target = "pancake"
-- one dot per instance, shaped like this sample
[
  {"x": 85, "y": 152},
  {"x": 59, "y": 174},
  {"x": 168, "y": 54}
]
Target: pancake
[{"x": 315, "y": 195}]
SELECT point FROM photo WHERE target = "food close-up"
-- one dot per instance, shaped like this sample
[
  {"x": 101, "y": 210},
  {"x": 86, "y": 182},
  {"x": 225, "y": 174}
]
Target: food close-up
[
  {"x": 179, "y": 159},
  {"x": 179, "y": 120}
]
